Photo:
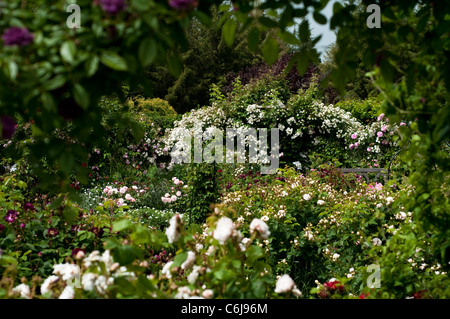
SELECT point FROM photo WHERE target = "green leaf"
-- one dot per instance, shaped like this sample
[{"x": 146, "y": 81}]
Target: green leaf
[
  {"x": 141, "y": 5},
  {"x": 229, "y": 31},
  {"x": 289, "y": 38},
  {"x": 267, "y": 22},
  {"x": 125, "y": 254},
  {"x": 270, "y": 50},
  {"x": 121, "y": 225},
  {"x": 319, "y": 17},
  {"x": 203, "y": 17},
  {"x": 179, "y": 259},
  {"x": 56, "y": 203},
  {"x": 68, "y": 51},
  {"x": 67, "y": 161},
  {"x": 13, "y": 70},
  {"x": 387, "y": 70},
  {"x": 304, "y": 32},
  {"x": 147, "y": 51},
  {"x": 81, "y": 95},
  {"x": 114, "y": 61},
  {"x": 70, "y": 214},
  {"x": 91, "y": 65},
  {"x": 253, "y": 39},
  {"x": 55, "y": 83},
  {"x": 47, "y": 101}
]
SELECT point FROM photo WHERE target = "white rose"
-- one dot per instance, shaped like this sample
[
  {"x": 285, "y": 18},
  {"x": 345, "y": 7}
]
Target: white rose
[
  {"x": 189, "y": 260},
  {"x": 376, "y": 241},
  {"x": 224, "y": 229},
  {"x": 207, "y": 293},
  {"x": 285, "y": 284},
  {"x": 172, "y": 232},
  {"x": 261, "y": 227},
  {"x": 23, "y": 290},
  {"x": 306, "y": 197},
  {"x": 68, "y": 293}
]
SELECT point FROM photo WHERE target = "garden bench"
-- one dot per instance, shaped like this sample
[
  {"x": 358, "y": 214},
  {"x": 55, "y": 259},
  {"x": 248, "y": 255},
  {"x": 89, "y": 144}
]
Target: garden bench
[{"x": 366, "y": 171}]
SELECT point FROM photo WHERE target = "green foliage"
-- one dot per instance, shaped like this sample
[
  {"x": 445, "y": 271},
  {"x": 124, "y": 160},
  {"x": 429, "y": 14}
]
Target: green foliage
[
  {"x": 153, "y": 112},
  {"x": 202, "y": 191},
  {"x": 42, "y": 231},
  {"x": 364, "y": 110}
]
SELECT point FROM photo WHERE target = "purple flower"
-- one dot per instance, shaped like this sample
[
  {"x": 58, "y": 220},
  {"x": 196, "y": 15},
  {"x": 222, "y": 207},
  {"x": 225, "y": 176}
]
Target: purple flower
[
  {"x": 113, "y": 6},
  {"x": 183, "y": 5},
  {"x": 11, "y": 216},
  {"x": 22, "y": 225},
  {"x": 17, "y": 36},
  {"x": 52, "y": 232},
  {"x": 28, "y": 206},
  {"x": 2, "y": 227},
  {"x": 8, "y": 126}
]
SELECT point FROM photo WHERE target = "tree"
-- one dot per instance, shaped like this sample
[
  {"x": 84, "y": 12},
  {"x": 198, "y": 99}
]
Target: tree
[{"x": 207, "y": 60}]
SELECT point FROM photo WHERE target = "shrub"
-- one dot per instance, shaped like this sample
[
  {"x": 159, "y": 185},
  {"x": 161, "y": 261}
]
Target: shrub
[
  {"x": 364, "y": 110},
  {"x": 152, "y": 111}
]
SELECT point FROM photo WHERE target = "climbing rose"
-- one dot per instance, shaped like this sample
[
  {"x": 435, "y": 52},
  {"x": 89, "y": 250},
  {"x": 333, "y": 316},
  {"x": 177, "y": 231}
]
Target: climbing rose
[{"x": 17, "y": 36}]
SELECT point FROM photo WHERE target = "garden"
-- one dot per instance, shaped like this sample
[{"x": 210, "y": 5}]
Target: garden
[{"x": 137, "y": 163}]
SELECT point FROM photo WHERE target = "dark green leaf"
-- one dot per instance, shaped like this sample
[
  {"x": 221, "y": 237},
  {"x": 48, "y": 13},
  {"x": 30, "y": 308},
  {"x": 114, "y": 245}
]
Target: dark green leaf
[
  {"x": 320, "y": 18},
  {"x": 147, "y": 51},
  {"x": 267, "y": 22},
  {"x": 70, "y": 214},
  {"x": 304, "y": 32},
  {"x": 55, "y": 82},
  {"x": 253, "y": 39},
  {"x": 229, "y": 31},
  {"x": 91, "y": 65},
  {"x": 81, "y": 95},
  {"x": 141, "y": 5},
  {"x": 114, "y": 61},
  {"x": 270, "y": 50}
]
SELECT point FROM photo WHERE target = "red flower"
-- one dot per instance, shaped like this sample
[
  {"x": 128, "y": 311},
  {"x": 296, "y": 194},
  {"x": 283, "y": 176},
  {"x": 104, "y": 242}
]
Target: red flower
[{"x": 363, "y": 296}]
